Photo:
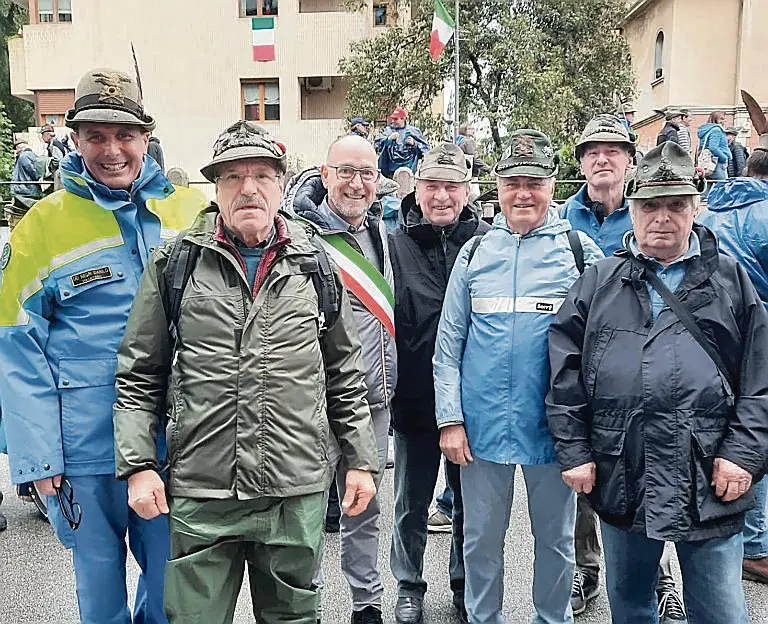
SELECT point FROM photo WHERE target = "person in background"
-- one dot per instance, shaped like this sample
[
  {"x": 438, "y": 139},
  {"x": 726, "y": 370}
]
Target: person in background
[
  {"x": 684, "y": 132},
  {"x": 400, "y": 144},
  {"x": 155, "y": 150},
  {"x": 360, "y": 126},
  {"x": 712, "y": 137},
  {"x": 739, "y": 154}
]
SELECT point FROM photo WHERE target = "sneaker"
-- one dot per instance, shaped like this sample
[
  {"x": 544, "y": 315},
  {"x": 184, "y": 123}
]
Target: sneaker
[
  {"x": 369, "y": 615},
  {"x": 439, "y": 523},
  {"x": 671, "y": 609},
  {"x": 585, "y": 588}
]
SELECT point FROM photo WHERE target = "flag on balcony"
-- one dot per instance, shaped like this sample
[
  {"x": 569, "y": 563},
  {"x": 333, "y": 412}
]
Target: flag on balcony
[
  {"x": 443, "y": 27},
  {"x": 263, "y": 29}
]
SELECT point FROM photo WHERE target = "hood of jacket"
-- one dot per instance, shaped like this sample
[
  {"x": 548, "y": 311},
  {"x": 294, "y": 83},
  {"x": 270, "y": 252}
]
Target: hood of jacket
[
  {"x": 737, "y": 193},
  {"x": 150, "y": 184},
  {"x": 705, "y": 128},
  {"x": 553, "y": 224},
  {"x": 416, "y": 226}
]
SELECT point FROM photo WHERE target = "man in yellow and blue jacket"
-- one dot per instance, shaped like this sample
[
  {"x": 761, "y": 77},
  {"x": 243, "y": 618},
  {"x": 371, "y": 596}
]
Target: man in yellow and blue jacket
[{"x": 68, "y": 278}]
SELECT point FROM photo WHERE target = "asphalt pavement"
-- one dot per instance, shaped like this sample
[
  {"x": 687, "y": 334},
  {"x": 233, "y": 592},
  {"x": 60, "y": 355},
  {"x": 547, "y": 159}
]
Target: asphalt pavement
[{"x": 37, "y": 582}]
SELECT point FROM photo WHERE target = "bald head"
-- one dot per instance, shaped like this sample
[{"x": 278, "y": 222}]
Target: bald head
[{"x": 349, "y": 143}]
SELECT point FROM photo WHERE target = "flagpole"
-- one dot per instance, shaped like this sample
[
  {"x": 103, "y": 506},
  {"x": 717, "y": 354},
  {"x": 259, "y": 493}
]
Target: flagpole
[{"x": 456, "y": 75}]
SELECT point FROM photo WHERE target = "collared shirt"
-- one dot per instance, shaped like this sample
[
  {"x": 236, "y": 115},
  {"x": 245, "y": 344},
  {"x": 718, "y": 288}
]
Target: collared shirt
[
  {"x": 251, "y": 255},
  {"x": 672, "y": 275}
]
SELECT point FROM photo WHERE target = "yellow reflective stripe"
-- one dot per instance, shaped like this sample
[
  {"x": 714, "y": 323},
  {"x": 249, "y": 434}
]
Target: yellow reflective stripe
[{"x": 58, "y": 230}]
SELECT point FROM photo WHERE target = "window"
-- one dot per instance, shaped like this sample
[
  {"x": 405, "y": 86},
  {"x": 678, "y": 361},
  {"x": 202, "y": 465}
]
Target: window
[
  {"x": 379, "y": 14},
  {"x": 255, "y": 8},
  {"x": 261, "y": 101},
  {"x": 658, "y": 57},
  {"x": 50, "y": 11}
]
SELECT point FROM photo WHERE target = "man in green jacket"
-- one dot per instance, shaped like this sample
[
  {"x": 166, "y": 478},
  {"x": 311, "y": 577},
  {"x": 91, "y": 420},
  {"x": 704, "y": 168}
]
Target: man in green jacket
[{"x": 250, "y": 388}]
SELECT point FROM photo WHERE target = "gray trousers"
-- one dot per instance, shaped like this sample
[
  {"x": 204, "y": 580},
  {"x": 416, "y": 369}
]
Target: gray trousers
[
  {"x": 588, "y": 553},
  {"x": 359, "y": 535}
]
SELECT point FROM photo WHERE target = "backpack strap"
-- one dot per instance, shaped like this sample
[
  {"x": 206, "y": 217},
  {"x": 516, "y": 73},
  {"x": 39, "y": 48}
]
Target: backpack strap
[
  {"x": 178, "y": 270},
  {"x": 324, "y": 283},
  {"x": 475, "y": 244},
  {"x": 574, "y": 240}
]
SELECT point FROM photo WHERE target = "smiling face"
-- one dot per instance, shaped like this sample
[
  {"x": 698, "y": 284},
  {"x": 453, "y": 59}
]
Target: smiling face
[
  {"x": 350, "y": 175},
  {"x": 113, "y": 153},
  {"x": 524, "y": 201},
  {"x": 605, "y": 164},
  {"x": 248, "y": 194},
  {"x": 441, "y": 202},
  {"x": 662, "y": 225}
]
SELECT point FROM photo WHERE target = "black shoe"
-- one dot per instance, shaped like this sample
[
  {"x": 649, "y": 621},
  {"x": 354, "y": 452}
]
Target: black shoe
[
  {"x": 585, "y": 588},
  {"x": 671, "y": 609},
  {"x": 408, "y": 610},
  {"x": 3, "y": 521},
  {"x": 461, "y": 609},
  {"x": 369, "y": 615}
]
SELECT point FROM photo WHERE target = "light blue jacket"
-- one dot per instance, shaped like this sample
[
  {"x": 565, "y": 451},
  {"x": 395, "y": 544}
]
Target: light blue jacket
[
  {"x": 712, "y": 136},
  {"x": 491, "y": 363},
  {"x": 737, "y": 212},
  {"x": 609, "y": 235},
  {"x": 66, "y": 288}
]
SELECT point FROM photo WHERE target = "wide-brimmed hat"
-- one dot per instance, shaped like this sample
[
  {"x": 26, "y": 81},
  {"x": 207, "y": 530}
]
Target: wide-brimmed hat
[
  {"x": 446, "y": 163},
  {"x": 528, "y": 153},
  {"x": 605, "y": 129},
  {"x": 244, "y": 140},
  {"x": 110, "y": 96},
  {"x": 732, "y": 130},
  {"x": 666, "y": 170}
]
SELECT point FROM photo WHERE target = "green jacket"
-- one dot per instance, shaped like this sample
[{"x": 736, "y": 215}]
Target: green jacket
[{"x": 244, "y": 420}]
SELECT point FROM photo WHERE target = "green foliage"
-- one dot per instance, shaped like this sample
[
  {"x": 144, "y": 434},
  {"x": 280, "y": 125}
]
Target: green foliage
[
  {"x": 547, "y": 64},
  {"x": 21, "y": 113},
  {"x": 6, "y": 152}
]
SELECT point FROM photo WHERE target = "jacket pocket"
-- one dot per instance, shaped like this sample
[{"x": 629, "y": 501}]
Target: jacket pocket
[
  {"x": 87, "y": 393},
  {"x": 610, "y": 492},
  {"x": 706, "y": 504}
]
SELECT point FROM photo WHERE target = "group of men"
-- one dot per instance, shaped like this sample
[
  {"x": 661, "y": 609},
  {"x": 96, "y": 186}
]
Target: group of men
[{"x": 194, "y": 374}]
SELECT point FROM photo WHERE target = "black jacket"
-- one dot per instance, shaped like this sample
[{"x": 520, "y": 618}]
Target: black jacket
[
  {"x": 422, "y": 259},
  {"x": 738, "y": 164},
  {"x": 155, "y": 150},
  {"x": 668, "y": 133},
  {"x": 644, "y": 401}
]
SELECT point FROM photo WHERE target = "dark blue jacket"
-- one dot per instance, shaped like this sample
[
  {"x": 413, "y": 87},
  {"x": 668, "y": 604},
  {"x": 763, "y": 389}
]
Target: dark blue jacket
[
  {"x": 25, "y": 170},
  {"x": 396, "y": 154}
]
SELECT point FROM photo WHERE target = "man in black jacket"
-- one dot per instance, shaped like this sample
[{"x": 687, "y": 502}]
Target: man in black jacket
[
  {"x": 737, "y": 164},
  {"x": 437, "y": 222},
  {"x": 665, "y": 438},
  {"x": 670, "y": 130}
]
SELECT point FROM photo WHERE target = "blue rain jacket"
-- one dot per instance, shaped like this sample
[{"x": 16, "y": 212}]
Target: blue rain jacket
[
  {"x": 491, "y": 362},
  {"x": 737, "y": 212},
  {"x": 67, "y": 284},
  {"x": 610, "y": 234}
]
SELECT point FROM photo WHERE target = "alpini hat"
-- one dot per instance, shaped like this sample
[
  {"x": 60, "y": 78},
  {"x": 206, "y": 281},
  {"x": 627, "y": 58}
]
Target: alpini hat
[
  {"x": 664, "y": 171},
  {"x": 528, "y": 153},
  {"x": 446, "y": 163},
  {"x": 108, "y": 96},
  {"x": 244, "y": 140},
  {"x": 605, "y": 129}
]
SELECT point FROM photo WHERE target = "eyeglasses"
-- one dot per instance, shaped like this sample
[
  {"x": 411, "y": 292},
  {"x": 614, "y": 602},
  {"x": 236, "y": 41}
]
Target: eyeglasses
[
  {"x": 236, "y": 180},
  {"x": 70, "y": 509},
  {"x": 345, "y": 172}
]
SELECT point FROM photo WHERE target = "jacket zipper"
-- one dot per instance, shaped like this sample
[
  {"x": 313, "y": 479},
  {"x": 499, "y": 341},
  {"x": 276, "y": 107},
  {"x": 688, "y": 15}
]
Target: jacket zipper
[{"x": 518, "y": 240}]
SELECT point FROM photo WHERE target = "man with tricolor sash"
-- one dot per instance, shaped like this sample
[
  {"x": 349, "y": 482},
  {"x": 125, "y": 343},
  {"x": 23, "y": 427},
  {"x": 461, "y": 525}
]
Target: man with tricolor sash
[
  {"x": 69, "y": 276},
  {"x": 263, "y": 376},
  {"x": 341, "y": 204}
]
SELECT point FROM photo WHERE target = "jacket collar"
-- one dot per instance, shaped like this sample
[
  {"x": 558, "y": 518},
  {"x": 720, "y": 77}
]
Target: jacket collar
[
  {"x": 416, "y": 226},
  {"x": 582, "y": 201},
  {"x": 150, "y": 184}
]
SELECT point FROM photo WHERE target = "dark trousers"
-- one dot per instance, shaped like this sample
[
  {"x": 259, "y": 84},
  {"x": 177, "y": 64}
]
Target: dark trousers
[
  {"x": 588, "y": 553},
  {"x": 417, "y": 464}
]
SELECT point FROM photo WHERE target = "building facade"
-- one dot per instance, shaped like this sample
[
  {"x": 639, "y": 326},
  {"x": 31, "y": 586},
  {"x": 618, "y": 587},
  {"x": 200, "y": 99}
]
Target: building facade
[
  {"x": 697, "y": 54},
  {"x": 197, "y": 67}
]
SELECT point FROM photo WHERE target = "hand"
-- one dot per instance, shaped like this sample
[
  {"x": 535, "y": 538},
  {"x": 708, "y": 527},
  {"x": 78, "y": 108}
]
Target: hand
[
  {"x": 146, "y": 494},
  {"x": 454, "y": 444},
  {"x": 47, "y": 486},
  {"x": 582, "y": 478},
  {"x": 359, "y": 490},
  {"x": 729, "y": 480},
  {"x": 394, "y": 136},
  {"x": 410, "y": 141}
]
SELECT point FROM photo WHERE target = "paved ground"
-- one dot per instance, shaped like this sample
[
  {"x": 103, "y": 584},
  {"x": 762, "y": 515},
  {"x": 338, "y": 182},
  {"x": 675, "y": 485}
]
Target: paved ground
[{"x": 37, "y": 587}]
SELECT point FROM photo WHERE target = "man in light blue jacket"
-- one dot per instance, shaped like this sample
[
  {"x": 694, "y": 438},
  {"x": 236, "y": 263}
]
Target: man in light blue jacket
[{"x": 491, "y": 375}]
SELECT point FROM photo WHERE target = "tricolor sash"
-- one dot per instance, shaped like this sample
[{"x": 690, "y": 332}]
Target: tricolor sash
[{"x": 363, "y": 279}]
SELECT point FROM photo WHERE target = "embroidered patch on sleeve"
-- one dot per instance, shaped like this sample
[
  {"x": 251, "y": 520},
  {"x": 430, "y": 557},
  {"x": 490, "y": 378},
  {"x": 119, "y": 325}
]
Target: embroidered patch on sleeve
[
  {"x": 91, "y": 275},
  {"x": 6, "y": 256}
]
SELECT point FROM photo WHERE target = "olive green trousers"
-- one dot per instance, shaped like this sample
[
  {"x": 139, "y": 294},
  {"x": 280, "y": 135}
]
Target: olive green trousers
[{"x": 211, "y": 542}]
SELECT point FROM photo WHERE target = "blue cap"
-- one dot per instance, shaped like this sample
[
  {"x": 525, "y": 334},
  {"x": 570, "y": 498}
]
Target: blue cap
[{"x": 359, "y": 120}]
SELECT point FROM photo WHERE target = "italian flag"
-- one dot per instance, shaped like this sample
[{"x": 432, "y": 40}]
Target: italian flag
[
  {"x": 263, "y": 29},
  {"x": 443, "y": 27}
]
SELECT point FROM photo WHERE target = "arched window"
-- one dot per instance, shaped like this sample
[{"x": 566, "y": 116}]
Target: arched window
[{"x": 658, "y": 56}]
